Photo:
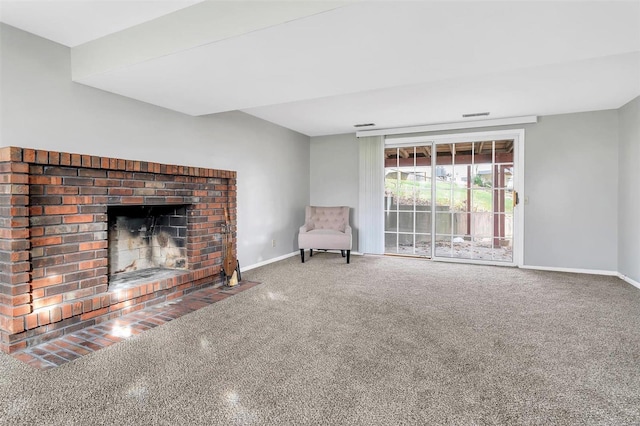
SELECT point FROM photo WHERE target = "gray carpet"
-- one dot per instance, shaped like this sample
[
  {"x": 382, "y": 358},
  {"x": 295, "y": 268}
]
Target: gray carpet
[{"x": 380, "y": 341}]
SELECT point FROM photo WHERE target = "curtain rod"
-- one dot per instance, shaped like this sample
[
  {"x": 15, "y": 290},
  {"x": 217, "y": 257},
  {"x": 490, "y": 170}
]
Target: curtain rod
[{"x": 449, "y": 126}]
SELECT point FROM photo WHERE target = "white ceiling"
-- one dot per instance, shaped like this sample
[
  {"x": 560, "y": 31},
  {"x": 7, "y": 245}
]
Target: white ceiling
[
  {"x": 73, "y": 22},
  {"x": 321, "y": 67}
]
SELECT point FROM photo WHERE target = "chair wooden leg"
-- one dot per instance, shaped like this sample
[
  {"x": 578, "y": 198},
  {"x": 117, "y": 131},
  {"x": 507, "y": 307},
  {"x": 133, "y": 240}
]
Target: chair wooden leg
[
  {"x": 302, "y": 255},
  {"x": 348, "y": 255},
  {"x": 310, "y": 252},
  {"x": 342, "y": 253}
]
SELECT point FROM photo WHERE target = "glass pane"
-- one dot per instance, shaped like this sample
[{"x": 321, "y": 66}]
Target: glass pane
[
  {"x": 444, "y": 155},
  {"x": 444, "y": 222},
  {"x": 407, "y": 189},
  {"x": 480, "y": 148},
  {"x": 499, "y": 227},
  {"x": 482, "y": 224},
  {"x": 508, "y": 201},
  {"x": 405, "y": 244},
  {"x": 481, "y": 176},
  {"x": 481, "y": 200},
  {"x": 423, "y": 156},
  {"x": 389, "y": 203},
  {"x": 391, "y": 221},
  {"x": 406, "y": 153},
  {"x": 405, "y": 221},
  {"x": 503, "y": 225},
  {"x": 459, "y": 225},
  {"x": 391, "y": 188},
  {"x": 482, "y": 249},
  {"x": 473, "y": 203},
  {"x": 508, "y": 225},
  {"x": 503, "y": 250},
  {"x": 423, "y": 245},
  {"x": 483, "y": 242},
  {"x": 460, "y": 247},
  {"x": 443, "y": 245},
  {"x": 390, "y": 154},
  {"x": 509, "y": 177},
  {"x": 444, "y": 186},
  {"x": 460, "y": 202},
  {"x": 443, "y": 195},
  {"x": 474, "y": 183},
  {"x": 390, "y": 243},
  {"x": 408, "y": 181},
  {"x": 423, "y": 188},
  {"x": 503, "y": 174},
  {"x": 460, "y": 177},
  {"x": 423, "y": 223}
]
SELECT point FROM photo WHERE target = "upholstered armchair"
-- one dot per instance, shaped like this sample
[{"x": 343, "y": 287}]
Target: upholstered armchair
[{"x": 325, "y": 228}]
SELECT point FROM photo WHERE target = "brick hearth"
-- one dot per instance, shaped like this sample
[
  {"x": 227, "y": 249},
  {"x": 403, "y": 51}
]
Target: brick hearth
[{"x": 54, "y": 276}]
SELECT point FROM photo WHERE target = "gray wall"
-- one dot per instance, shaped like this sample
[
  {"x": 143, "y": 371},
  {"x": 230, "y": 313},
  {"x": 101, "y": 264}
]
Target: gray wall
[
  {"x": 629, "y": 191},
  {"x": 571, "y": 180},
  {"x": 42, "y": 108},
  {"x": 572, "y": 162},
  {"x": 334, "y": 175}
]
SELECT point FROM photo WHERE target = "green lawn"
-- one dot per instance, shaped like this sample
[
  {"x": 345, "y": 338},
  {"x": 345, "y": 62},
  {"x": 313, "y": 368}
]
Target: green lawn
[{"x": 447, "y": 194}]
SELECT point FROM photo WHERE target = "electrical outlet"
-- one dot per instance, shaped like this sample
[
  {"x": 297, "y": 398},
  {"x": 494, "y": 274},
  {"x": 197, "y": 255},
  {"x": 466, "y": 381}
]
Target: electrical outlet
[{"x": 273, "y": 243}]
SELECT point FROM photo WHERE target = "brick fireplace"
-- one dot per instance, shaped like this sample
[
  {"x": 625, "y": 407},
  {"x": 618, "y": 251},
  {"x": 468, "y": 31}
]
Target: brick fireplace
[{"x": 85, "y": 239}]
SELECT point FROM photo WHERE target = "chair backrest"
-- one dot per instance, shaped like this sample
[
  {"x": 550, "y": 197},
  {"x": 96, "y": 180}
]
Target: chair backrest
[{"x": 336, "y": 218}]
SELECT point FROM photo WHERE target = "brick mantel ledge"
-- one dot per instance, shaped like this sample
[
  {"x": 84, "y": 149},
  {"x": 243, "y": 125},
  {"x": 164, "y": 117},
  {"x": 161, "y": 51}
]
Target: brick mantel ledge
[{"x": 53, "y": 158}]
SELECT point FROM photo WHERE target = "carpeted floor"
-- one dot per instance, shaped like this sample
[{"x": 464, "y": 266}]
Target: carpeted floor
[{"x": 382, "y": 341}]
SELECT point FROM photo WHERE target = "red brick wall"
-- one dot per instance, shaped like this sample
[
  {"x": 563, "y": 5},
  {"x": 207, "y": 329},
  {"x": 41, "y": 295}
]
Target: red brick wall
[{"x": 53, "y": 237}]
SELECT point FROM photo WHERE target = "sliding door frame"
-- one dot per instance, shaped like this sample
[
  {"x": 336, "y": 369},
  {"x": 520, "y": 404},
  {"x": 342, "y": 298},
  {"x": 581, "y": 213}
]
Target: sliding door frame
[{"x": 518, "y": 182}]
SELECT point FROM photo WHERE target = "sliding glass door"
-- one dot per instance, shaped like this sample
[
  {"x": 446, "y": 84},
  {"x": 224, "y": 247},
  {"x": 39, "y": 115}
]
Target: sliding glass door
[
  {"x": 407, "y": 200},
  {"x": 451, "y": 200}
]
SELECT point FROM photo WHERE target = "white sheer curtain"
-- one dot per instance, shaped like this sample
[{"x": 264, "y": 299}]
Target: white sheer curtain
[{"x": 371, "y": 192}]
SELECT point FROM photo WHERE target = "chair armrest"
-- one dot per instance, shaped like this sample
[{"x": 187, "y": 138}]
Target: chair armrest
[
  {"x": 347, "y": 230},
  {"x": 303, "y": 228}
]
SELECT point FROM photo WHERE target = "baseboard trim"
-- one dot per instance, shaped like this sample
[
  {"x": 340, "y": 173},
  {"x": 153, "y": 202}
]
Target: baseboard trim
[
  {"x": 585, "y": 271},
  {"x": 268, "y": 261},
  {"x": 629, "y": 280},
  {"x": 532, "y": 267},
  {"x": 572, "y": 270}
]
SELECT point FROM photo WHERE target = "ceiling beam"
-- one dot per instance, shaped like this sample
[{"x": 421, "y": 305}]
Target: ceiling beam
[{"x": 203, "y": 23}]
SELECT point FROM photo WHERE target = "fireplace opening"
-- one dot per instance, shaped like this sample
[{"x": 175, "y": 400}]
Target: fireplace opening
[{"x": 146, "y": 243}]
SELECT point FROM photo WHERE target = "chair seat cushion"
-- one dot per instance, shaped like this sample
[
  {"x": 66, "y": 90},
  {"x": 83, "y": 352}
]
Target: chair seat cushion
[{"x": 324, "y": 239}]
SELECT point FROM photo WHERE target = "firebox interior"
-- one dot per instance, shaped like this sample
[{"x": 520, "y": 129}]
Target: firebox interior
[{"x": 145, "y": 240}]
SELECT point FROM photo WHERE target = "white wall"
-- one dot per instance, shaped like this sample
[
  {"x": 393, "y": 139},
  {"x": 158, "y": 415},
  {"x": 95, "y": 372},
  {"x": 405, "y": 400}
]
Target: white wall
[
  {"x": 334, "y": 175},
  {"x": 629, "y": 191},
  {"x": 42, "y": 108},
  {"x": 571, "y": 180}
]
